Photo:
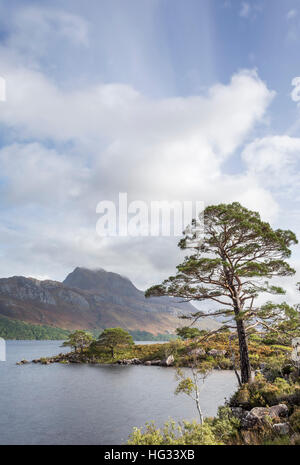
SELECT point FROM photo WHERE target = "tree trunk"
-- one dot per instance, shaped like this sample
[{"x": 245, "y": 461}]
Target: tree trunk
[
  {"x": 244, "y": 354},
  {"x": 199, "y": 410},
  {"x": 233, "y": 363}
]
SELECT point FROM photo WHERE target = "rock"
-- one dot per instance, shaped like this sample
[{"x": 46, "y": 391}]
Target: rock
[
  {"x": 280, "y": 410},
  {"x": 259, "y": 415},
  {"x": 256, "y": 416},
  {"x": 197, "y": 352},
  {"x": 238, "y": 412},
  {"x": 148, "y": 363},
  {"x": 260, "y": 412},
  {"x": 281, "y": 428},
  {"x": 156, "y": 362},
  {"x": 217, "y": 353},
  {"x": 168, "y": 361},
  {"x": 131, "y": 361},
  {"x": 22, "y": 362}
]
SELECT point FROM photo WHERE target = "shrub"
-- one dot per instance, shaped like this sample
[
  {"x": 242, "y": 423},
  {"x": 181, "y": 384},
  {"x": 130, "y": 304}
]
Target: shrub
[
  {"x": 184, "y": 433},
  {"x": 295, "y": 420},
  {"x": 261, "y": 393},
  {"x": 225, "y": 426},
  {"x": 220, "y": 430}
]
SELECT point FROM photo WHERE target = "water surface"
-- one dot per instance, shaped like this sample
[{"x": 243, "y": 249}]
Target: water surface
[{"x": 90, "y": 404}]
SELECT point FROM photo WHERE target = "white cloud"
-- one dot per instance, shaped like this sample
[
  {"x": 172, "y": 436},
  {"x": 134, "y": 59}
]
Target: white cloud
[
  {"x": 37, "y": 175},
  {"x": 108, "y": 139},
  {"x": 274, "y": 162},
  {"x": 38, "y": 108},
  {"x": 295, "y": 94},
  {"x": 274, "y": 159},
  {"x": 168, "y": 148}
]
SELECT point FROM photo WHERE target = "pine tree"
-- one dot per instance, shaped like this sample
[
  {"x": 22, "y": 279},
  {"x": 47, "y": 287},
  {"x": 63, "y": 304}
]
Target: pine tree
[{"x": 233, "y": 252}]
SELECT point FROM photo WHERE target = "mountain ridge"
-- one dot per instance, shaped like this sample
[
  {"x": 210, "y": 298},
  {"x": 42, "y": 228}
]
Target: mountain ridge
[{"x": 90, "y": 299}]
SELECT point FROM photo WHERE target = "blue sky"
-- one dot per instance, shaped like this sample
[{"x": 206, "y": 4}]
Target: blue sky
[{"x": 163, "y": 99}]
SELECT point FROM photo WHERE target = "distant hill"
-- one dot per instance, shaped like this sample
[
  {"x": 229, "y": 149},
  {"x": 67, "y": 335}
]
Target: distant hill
[
  {"x": 91, "y": 299},
  {"x": 16, "y": 329}
]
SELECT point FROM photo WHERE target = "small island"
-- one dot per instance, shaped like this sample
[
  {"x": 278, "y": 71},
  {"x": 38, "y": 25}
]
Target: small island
[
  {"x": 263, "y": 411},
  {"x": 229, "y": 268}
]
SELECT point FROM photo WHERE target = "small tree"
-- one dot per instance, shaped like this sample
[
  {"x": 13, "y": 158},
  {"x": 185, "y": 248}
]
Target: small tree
[
  {"x": 188, "y": 333},
  {"x": 192, "y": 385},
  {"x": 78, "y": 340},
  {"x": 233, "y": 253},
  {"x": 278, "y": 322},
  {"x": 113, "y": 337}
]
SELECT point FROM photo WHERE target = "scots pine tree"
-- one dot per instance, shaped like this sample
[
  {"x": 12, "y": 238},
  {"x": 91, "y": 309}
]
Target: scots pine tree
[{"x": 233, "y": 255}]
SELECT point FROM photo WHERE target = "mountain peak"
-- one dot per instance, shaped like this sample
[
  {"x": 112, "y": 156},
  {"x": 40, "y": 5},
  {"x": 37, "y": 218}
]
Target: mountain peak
[
  {"x": 100, "y": 280},
  {"x": 89, "y": 299}
]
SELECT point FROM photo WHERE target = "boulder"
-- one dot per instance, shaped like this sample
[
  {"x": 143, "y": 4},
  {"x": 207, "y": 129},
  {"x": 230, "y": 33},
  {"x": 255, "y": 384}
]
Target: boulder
[
  {"x": 238, "y": 412},
  {"x": 281, "y": 428},
  {"x": 130, "y": 361},
  {"x": 156, "y": 362},
  {"x": 280, "y": 410},
  {"x": 255, "y": 417},
  {"x": 148, "y": 363},
  {"x": 260, "y": 412},
  {"x": 217, "y": 353},
  {"x": 259, "y": 415},
  {"x": 197, "y": 352},
  {"x": 168, "y": 361}
]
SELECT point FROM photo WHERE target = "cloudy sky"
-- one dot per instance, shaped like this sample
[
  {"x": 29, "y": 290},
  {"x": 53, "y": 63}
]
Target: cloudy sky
[{"x": 161, "y": 99}]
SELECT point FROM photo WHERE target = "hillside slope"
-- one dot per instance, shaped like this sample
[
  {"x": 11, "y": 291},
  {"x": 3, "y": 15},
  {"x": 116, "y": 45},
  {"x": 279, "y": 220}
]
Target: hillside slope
[{"x": 90, "y": 300}]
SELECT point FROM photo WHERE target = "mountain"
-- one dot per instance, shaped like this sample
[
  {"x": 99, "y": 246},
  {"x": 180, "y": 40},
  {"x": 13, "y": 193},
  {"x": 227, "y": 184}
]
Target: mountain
[{"x": 90, "y": 299}]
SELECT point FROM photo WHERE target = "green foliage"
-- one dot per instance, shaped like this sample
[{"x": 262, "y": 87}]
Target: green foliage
[
  {"x": 276, "y": 367},
  {"x": 261, "y": 393},
  {"x": 111, "y": 338},
  {"x": 188, "y": 333},
  {"x": 191, "y": 385},
  {"x": 278, "y": 441},
  {"x": 215, "y": 431},
  {"x": 185, "y": 386},
  {"x": 78, "y": 340},
  {"x": 225, "y": 426},
  {"x": 174, "y": 347},
  {"x": 15, "y": 329},
  {"x": 184, "y": 433},
  {"x": 295, "y": 420},
  {"x": 230, "y": 254}
]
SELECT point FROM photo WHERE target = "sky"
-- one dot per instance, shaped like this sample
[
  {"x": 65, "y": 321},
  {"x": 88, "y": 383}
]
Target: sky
[{"x": 160, "y": 99}]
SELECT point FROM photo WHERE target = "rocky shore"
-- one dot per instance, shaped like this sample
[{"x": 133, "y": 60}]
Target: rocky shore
[
  {"x": 81, "y": 358},
  {"x": 78, "y": 357}
]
